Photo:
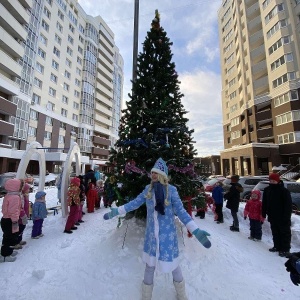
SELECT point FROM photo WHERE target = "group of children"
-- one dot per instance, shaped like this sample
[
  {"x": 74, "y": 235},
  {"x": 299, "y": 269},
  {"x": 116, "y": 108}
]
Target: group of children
[{"x": 15, "y": 214}]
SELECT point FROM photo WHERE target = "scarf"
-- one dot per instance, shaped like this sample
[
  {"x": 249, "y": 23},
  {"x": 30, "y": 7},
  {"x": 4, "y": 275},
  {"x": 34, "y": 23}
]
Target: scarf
[{"x": 160, "y": 197}]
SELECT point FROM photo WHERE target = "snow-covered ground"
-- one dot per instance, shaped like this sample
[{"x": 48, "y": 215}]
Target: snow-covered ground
[{"x": 101, "y": 261}]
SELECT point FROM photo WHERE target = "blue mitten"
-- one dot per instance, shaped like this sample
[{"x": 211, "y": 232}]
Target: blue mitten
[
  {"x": 114, "y": 212},
  {"x": 201, "y": 236}
]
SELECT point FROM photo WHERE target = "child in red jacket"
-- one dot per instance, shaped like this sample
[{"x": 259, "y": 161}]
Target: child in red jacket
[
  {"x": 91, "y": 197},
  {"x": 253, "y": 210}
]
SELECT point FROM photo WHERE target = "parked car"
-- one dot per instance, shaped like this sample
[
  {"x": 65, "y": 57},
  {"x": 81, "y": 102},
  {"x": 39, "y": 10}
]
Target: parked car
[
  {"x": 50, "y": 179},
  {"x": 247, "y": 182},
  {"x": 209, "y": 185},
  {"x": 11, "y": 175},
  {"x": 292, "y": 186}
]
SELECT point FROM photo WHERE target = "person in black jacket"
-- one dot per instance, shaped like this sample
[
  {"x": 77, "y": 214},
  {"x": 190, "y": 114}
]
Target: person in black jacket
[
  {"x": 277, "y": 204},
  {"x": 233, "y": 201}
]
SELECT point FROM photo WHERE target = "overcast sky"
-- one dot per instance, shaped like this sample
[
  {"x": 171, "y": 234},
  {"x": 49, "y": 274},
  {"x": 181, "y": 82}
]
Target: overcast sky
[{"x": 192, "y": 27}]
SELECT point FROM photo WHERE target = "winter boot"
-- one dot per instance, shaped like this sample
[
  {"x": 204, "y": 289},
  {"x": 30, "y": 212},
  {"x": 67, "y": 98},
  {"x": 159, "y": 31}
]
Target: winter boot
[
  {"x": 147, "y": 291},
  {"x": 22, "y": 243},
  {"x": 7, "y": 259},
  {"x": 180, "y": 290}
]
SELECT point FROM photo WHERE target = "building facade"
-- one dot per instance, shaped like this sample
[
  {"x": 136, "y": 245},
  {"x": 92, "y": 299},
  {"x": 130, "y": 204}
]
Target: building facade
[
  {"x": 260, "y": 61},
  {"x": 58, "y": 69}
]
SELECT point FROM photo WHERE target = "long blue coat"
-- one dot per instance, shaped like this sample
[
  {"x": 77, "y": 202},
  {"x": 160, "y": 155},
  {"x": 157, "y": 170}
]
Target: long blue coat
[{"x": 161, "y": 244}]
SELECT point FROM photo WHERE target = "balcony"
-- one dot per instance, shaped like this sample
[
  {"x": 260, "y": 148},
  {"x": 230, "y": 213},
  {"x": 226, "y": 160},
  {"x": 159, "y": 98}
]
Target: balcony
[
  {"x": 106, "y": 55},
  {"x": 253, "y": 11},
  {"x": 259, "y": 70},
  {"x": 262, "y": 99},
  {"x": 261, "y": 84},
  {"x": 264, "y": 116},
  {"x": 9, "y": 65},
  {"x": 101, "y": 98},
  {"x": 103, "y": 41},
  {"x": 108, "y": 83},
  {"x": 105, "y": 71},
  {"x": 10, "y": 45},
  {"x": 17, "y": 11},
  {"x": 103, "y": 109},
  {"x": 254, "y": 25},
  {"x": 104, "y": 90},
  {"x": 265, "y": 133},
  {"x": 101, "y": 141},
  {"x": 6, "y": 128},
  {"x": 258, "y": 54},
  {"x": 103, "y": 120},
  {"x": 26, "y": 3},
  {"x": 99, "y": 151},
  {"x": 11, "y": 25},
  {"x": 256, "y": 39},
  {"x": 101, "y": 129},
  {"x": 7, "y": 107}
]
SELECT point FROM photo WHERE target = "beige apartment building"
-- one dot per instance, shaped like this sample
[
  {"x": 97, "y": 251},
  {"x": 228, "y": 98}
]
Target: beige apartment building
[
  {"x": 260, "y": 61},
  {"x": 61, "y": 79}
]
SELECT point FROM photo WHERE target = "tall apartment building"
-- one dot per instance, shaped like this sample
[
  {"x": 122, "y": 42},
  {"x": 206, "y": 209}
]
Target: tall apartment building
[
  {"x": 58, "y": 69},
  {"x": 260, "y": 61}
]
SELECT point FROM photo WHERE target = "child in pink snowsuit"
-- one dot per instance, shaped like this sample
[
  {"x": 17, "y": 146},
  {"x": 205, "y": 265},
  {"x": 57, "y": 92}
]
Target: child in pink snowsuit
[{"x": 253, "y": 210}]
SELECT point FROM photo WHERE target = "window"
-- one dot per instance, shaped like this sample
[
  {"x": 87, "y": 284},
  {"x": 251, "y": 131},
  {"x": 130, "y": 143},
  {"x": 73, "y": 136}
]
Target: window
[
  {"x": 59, "y": 27},
  {"x": 47, "y": 12},
  {"x": 39, "y": 68},
  {"x": 52, "y": 92},
  {"x": 53, "y": 78},
  {"x": 36, "y": 99},
  {"x": 61, "y": 139},
  {"x": 41, "y": 53},
  {"x": 81, "y": 39},
  {"x": 45, "y": 25},
  {"x": 80, "y": 50},
  {"x": 284, "y": 118},
  {"x": 34, "y": 115},
  {"x": 67, "y": 74},
  {"x": 64, "y": 112},
  {"x": 286, "y": 138},
  {"x": 266, "y": 3},
  {"x": 69, "y": 51},
  {"x": 62, "y": 125},
  {"x": 282, "y": 41},
  {"x": 65, "y": 99},
  {"x": 68, "y": 63},
  {"x": 75, "y": 117},
  {"x": 81, "y": 29},
  {"x": 71, "y": 27},
  {"x": 66, "y": 87},
  {"x": 49, "y": 121},
  {"x": 77, "y": 82},
  {"x": 57, "y": 39},
  {"x": 79, "y": 60},
  {"x": 49, "y": 2},
  {"x": 281, "y": 60},
  {"x": 60, "y": 15},
  {"x": 274, "y": 12},
  {"x": 56, "y": 52},
  {"x": 50, "y": 106},
  {"x": 78, "y": 71},
  {"x": 38, "y": 82},
  {"x": 75, "y": 105},
  {"x": 284, "y": 78},
  {"x": 31, "y": 131},
  {"x": 55, "y": 64},
  {"x": 76, "y": 94},
  {"x": 43, "y": 39},
  {"x": 72, "y": 18},
  {"x": 47, "y": 135},
  {"x": 276, "y": 27},
  {"x": 235, "y": 135},
  {"x": 70, "y": 39}
]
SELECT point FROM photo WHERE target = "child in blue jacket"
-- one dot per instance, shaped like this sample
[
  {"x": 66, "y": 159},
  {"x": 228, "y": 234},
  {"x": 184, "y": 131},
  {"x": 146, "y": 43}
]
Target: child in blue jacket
[
  {"x": 39, "y": 213},
  {"x": 217, "y": 194}
]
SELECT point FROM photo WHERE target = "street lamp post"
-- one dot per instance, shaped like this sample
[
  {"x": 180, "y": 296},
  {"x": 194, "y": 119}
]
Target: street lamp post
[{"x": 135, "y": 40}]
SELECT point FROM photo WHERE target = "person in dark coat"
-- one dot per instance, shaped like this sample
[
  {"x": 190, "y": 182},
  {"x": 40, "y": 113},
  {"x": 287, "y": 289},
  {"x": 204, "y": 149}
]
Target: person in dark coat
[
  {"x": 217, "y": 194},
  {"x": 89, "y": 177},
  {"x": 277, "y": 205},
  {"x": 233, "y": 201}
]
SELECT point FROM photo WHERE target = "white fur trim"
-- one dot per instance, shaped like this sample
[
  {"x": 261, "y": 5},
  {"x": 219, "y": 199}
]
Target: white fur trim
[
  {"x": 191, "y": 226},
  {"x": 158, "y": 171},
  {"x": 121, "y": 210},
  {"x": 161, "y": 266}
]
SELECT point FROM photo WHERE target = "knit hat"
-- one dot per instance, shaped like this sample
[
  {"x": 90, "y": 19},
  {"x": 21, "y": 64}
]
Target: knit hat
[
  {"x": 75, "y": 181},
  {"x": 40, "y": 194},
  {"x": 274, "y": 176},
  {"x": 235, "y": 178},
  {"x": 26, "y": 188},
  {"x": 160, "y": 167}
]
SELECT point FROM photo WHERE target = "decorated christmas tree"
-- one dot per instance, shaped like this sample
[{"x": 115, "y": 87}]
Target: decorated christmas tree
[{"x": 154, "y": 124}]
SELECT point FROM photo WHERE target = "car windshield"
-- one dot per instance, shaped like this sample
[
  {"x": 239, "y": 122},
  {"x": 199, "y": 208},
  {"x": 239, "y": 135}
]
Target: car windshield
[
  {"x": 226, "y": 181},
  {"x": 261, "y": 185},
  {"x": 212, "y": 181}
]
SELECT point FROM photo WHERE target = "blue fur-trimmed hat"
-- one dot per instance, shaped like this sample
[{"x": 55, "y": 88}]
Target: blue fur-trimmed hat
[
  {"x": 160, "y": 167},
  {"x": 40, "y": 194}
]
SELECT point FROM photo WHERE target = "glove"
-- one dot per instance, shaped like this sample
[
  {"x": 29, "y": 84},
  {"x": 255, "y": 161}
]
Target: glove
[
  {"x": 15, "y": 227},
  {"x": 295, "y": 278},
  {"x": 24, "y": 220},
  {"x": 114, "y": 212},
  {"x": 201, "y": 236},
  {"x": 245, "y": 218}
]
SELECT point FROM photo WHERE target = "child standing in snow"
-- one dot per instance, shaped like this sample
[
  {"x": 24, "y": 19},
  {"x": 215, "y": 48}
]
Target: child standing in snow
[
  {"x": 217, "y": 194},
  {"x": 39, "y": 213},
  {"x": 11, "y": 209},
  {"x": 161, "y": 245},
  {"x": 91, "y": 197},
  {"x": 24, "y": 215},
  {"x": 100, "y": 191},
  {"x": 74, "y": 203},
  {"x": 253, "y": 210}
]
